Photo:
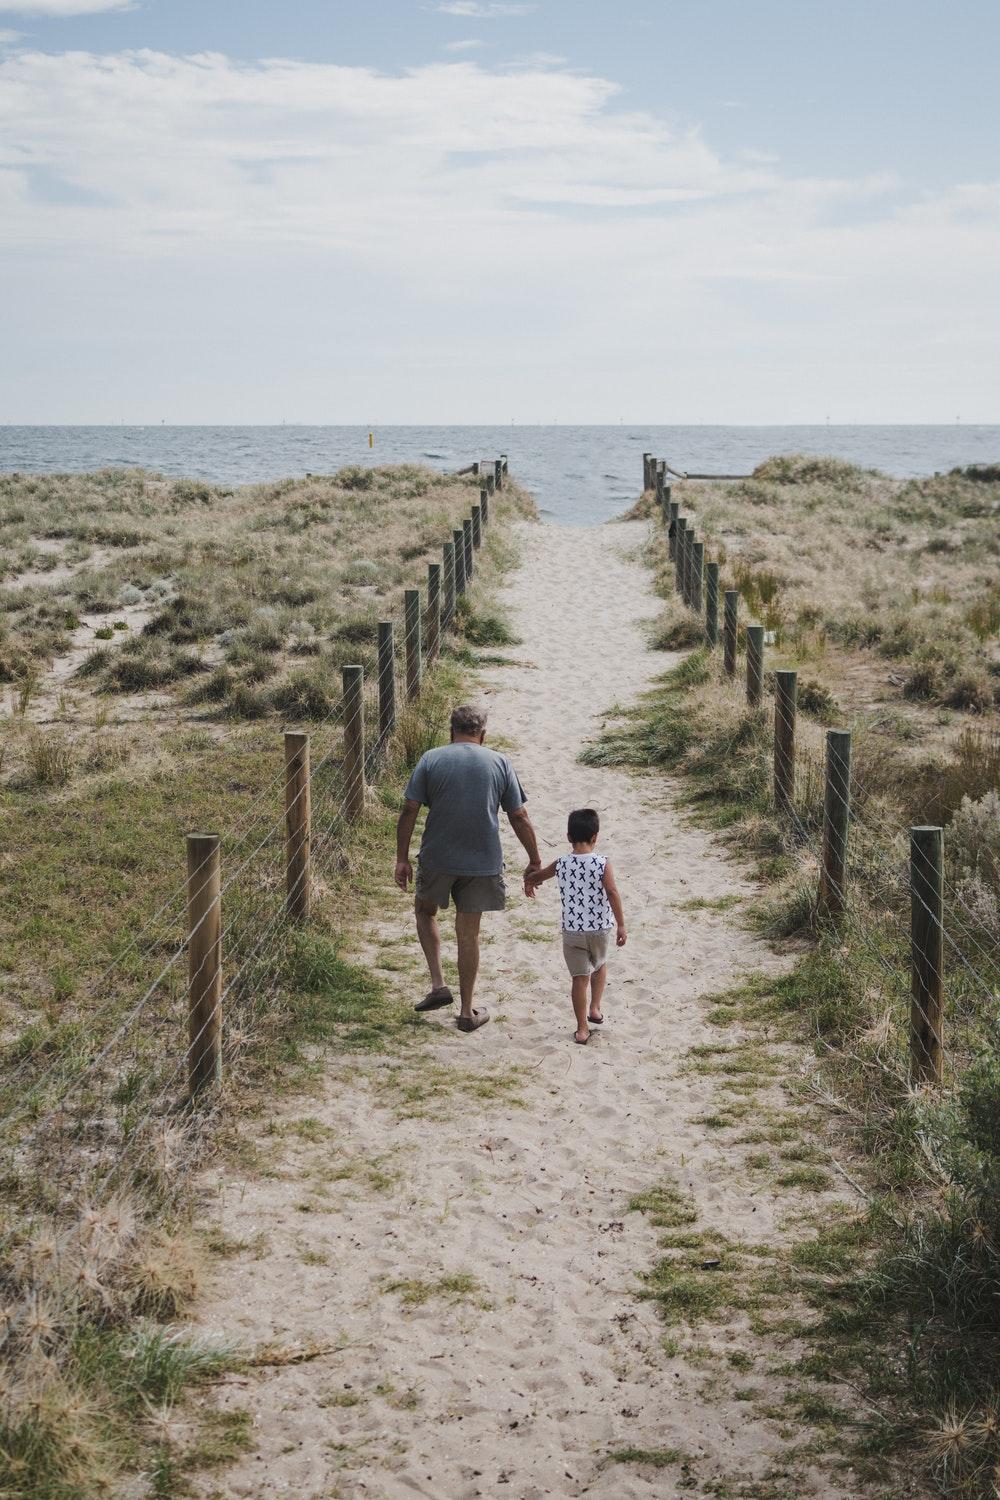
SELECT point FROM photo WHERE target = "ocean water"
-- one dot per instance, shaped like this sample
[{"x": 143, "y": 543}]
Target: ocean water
[{"x": 578, "y": 475}]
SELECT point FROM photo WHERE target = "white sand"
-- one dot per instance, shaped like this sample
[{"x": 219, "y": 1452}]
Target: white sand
[{"x": 522, "y": 1390}]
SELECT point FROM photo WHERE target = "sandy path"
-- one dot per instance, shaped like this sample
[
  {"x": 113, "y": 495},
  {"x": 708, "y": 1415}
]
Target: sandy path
[{"x": 521, "y": 1384}]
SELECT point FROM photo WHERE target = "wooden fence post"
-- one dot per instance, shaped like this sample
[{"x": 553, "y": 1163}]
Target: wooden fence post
[
  {"x": 689, "y": 535},
  {"x": 755, "y": 665},
  {"x": 386, "y": 681},
  {"x": 659, "y": 481},
  {"x": 785, "y": 705},
  {"x": 666, "y": 504},
  {"x": 712, "y": 603},
  {"x": 433, "y": 610},
  {"x": 836, "y": 816},
  {"x": 673, "y": 511},
  {"x": 458, "y": 543},
  {"x": 484, "y": 505},
  {"x": 467, "y": 544},
  {"x": 354, "y": 740},
  {"x": 448, "y": 584},
  {"x": 298, "y": 826},
  {"x": 679, "y": 554},
  {"x": 503, "y": 464},
  {"x": 697, "y": 570},
  {"x": 926, "y": 954},
  {"x": 491, "y": 481},
  {"x": 498, "y": 473},
  {"x": 645, "y": 471},
  {"x": 204, "y": 907},
  {"x": 411, "y": 625},
  {"x": 477, "y": 527},
  {"x": 730, "y": 627}
]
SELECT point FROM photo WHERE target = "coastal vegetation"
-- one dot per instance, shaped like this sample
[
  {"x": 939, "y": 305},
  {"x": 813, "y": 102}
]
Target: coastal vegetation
[
  {"x": 155, "y": 637},
  {"x": 882, "y": 595}
]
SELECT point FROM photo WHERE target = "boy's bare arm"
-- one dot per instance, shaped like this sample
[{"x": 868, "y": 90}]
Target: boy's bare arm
[
  {"x": 544, "y": 874},
  {"x": 615, "y": 899}
]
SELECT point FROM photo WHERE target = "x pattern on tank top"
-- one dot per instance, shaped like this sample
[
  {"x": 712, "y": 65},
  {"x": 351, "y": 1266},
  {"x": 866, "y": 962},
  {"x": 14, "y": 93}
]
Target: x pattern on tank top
[{"x": 585, "y": 904}]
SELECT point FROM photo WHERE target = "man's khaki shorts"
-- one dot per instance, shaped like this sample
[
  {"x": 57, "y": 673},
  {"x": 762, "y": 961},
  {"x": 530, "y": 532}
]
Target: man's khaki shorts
[
  {"x": 585, "y": 952},
  {"x": 469, "y": 892}
]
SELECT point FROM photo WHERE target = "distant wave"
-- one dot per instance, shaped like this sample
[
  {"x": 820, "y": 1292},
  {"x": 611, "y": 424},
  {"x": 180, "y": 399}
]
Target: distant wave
[{"x": 437, "y": 455}]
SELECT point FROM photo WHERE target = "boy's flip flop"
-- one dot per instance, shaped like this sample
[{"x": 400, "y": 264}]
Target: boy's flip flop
[
  {"x": 473, "y": 1022},
  {"x": 436, "y": 999}
]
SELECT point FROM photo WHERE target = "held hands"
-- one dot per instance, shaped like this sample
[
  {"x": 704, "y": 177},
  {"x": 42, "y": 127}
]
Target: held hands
[
  {"x": 621, "y": 936},
  {"x": 403, "y": 874},
  {"x": 531, "y": 878}
]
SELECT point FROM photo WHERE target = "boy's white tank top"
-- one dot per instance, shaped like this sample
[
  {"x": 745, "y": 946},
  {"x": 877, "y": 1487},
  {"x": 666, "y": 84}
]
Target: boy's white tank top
[{"x": 585, "y": 904}]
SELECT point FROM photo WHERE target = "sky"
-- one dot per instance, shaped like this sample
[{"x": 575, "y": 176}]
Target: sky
[{"x": 446, "y": 211}]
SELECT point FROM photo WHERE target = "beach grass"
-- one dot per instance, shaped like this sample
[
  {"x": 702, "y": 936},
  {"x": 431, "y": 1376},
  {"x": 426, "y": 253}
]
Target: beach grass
[
  {"x": 157, "y": 636},
  {"x": 881, "y": 594}
]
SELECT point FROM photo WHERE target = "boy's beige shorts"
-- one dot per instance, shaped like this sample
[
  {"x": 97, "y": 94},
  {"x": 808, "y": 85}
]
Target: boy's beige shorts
[{"x": 585, "y": 951}]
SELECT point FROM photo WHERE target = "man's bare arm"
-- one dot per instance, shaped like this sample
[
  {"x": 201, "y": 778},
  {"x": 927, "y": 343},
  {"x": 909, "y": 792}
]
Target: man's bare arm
[
  {"x": 521, "y": 824},
  {"x": 404, "y": 832}
]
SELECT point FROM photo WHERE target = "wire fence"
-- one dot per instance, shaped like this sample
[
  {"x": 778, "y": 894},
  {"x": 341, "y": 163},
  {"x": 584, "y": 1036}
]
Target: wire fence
[
  {"x": 123, "y": 1098},
  {"x": 933, "y": 957}
]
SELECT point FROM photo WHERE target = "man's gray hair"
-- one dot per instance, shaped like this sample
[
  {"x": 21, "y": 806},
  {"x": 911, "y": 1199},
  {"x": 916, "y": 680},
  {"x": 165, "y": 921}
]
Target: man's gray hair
[{"x": 468, "y": 720}]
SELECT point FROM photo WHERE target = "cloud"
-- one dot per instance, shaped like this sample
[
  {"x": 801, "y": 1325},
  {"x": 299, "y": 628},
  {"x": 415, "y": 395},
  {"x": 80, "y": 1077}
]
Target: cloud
[
  {"x": 481, "y": 9},
  {"x": 63, "y": 7},
  {"x": 378, "y": 218},
  {"x": 534, "y": 60},
  {"x": 469, "y": 45}
]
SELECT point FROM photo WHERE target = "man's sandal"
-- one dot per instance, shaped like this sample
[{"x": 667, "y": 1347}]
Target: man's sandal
[
  {"x": 595, "y": 1020},
  {"x": 473, "y": 1022},
  {"x": 436, "y": 999},
  {"x": 581, "y": 1041}
]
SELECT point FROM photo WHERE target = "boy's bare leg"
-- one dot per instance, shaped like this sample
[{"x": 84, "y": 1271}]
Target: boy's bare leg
[
  {"x": 581, "y": 992},
  {"x": 467, "y": 933},
  {"x": 430, "y": 940},
  {"x": 598, "y": 980}
]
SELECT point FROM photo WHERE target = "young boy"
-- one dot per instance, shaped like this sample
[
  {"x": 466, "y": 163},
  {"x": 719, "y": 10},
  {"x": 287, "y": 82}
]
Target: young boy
[{"x": 591, "y": 906}]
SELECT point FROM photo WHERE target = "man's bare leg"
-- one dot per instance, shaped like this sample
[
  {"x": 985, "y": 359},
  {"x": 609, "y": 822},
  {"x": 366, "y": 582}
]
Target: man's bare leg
[
  {"x": 467, "y": 933},
  {"x": 430, "y": 941}
]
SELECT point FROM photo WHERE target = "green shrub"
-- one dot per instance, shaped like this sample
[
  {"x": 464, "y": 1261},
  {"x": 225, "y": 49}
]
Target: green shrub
[
  {"x": 678, "y": 635},
  {"x": 215, "y": 688},
  {"x": 802, "y": 468},
  {"x": 50, "y": 759},
  {"x": 487, "y": 627},
  {"x": 925, "y": 678},
  {"x": 970, "y": 688},
  {"x": 938, "y": 786},
  {"x": 245, "y": 703},
  {"x": 132, "y": 672},
  {"x": 304, "y": 695},
  {"x": 817, "y": 701},
  {"x": 980, "y": 473},
  {"x": 361, "y": 571}
]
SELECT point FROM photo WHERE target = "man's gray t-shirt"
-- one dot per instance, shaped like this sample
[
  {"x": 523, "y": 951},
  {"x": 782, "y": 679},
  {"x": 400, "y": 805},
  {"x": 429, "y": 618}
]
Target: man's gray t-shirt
[{"x": 463, "y": 786}]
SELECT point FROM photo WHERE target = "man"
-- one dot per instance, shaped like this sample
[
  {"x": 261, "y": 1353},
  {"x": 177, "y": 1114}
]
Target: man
[{"x": 463, "y": 785}]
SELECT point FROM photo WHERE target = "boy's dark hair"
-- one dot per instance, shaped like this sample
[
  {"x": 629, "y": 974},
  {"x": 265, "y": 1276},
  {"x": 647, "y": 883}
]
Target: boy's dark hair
[{"x": 584, "y": 825}]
